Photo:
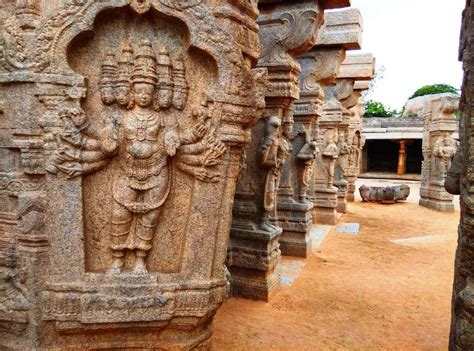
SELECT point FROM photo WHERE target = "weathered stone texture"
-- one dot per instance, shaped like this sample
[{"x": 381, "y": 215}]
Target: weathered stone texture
[
  {"x": 439, "y": 147},
  {"x": 122, "y": 125},
  {"x": 461, "y": 179},
  {"x": 385, "y": 195},
  {"x": 271, "y": 195},
  {"x": 355, "y": 74},
  {"x": 344, "y": 28}
]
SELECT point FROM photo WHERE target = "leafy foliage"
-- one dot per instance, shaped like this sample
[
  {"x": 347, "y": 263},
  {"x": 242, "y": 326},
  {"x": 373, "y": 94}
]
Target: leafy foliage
[
  {"x": 377, "y": 109},
  {"x": 434, "y": 89}
]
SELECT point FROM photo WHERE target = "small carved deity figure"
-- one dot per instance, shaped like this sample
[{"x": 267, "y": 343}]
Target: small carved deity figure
[
  {"x": 307, "y": 155},
  {"x": 444, "y": 150},
  {"x": 143, "y": 140},
  {"x": 330, "y": 155},
  {"x": 274, "y": 152},
  {"x": 356, "y": 148},
  {"x": 12, "y": 294},
  {"x": 344, "y": 151}
]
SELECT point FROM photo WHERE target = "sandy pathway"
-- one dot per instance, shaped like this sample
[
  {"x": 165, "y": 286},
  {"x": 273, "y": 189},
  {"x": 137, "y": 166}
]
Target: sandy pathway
[{"x": 358, "y": 292}]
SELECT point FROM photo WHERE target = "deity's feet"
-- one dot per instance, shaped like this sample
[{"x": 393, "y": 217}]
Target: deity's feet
[
  {"x": 116, "y": 267},
  {"x": 267, "y": 227},
  {"x": 140, "y": 266}
]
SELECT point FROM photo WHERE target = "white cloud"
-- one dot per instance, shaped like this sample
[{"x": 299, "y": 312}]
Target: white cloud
[{"x": 415, "y": 40}]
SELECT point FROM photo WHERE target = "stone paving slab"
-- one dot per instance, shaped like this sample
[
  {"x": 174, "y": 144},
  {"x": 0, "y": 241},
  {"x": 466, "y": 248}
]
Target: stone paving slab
[
  {"x": 290, "y": 269},
  {"x": 348, "y": 228},
  {"x": 318, "y": 233}
]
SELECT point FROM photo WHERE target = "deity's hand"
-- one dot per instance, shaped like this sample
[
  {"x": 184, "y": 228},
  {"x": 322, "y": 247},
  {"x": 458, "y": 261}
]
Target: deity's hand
[
  {"x": 75, "y": 139},
  {"x": 204, "y": 176},
  {"x": 68, "y": 155},
  {"x": 72, "y": 171},
  {"x": 171, "y": 143},
  {"x": 199, "y": 130}
]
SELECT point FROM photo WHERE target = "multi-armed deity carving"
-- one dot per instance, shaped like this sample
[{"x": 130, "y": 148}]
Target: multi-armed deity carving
[{"x": 142, "y": 140}]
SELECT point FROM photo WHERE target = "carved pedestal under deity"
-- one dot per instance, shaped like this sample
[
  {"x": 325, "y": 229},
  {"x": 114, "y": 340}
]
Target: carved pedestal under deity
[
  {"x": 286, "y": 30},
  {"x": 439, "y": 146},
  {"x": 122, "y": 126}
]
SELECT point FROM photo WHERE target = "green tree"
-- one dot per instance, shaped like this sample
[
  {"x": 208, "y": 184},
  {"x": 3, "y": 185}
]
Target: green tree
[
  {"x": 377, "y": 109},
  {"x": 434, "y": 89}
]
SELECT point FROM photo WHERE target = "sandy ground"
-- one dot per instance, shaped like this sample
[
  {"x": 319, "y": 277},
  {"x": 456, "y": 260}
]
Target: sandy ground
[{"x": 361, "y": 292}]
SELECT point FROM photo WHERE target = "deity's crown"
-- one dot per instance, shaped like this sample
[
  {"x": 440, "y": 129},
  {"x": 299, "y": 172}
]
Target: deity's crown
[
  {"x": 109, "y": 70},
  {"x": 125, "y": 66},
  {"x": 144, "y": 70}
]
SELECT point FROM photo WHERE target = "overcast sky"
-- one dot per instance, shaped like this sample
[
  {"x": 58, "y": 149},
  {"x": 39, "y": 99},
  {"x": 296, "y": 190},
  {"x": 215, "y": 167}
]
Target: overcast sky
[{"x": 415, "y": 40}]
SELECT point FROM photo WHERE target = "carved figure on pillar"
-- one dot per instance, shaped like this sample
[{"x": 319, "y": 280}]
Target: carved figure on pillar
[
  {"x": 274, "y": 151},
  {"x": 307, "y": 155},
  {"x": 443, "y": 151},
  {"x": 330, "y": 156}
]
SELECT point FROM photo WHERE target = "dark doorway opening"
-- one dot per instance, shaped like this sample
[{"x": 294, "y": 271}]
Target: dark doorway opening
[
  {"x": 414, "y": 156},
  {"x": 382, "y": 156}
]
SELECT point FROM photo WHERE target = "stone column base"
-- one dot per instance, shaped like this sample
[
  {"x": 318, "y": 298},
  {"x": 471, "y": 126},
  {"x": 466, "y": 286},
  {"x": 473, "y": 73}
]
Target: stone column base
[
  {"x": 251, "y": 259},
  {"x": 324, "y": 211},
  {"x": 438, "y": 205},
  {"x": 350, "y": 196},
  {"x": 295, "y": 219},
  {"x": 437, "y": 199},
  {"x": 253, "y": 283}
]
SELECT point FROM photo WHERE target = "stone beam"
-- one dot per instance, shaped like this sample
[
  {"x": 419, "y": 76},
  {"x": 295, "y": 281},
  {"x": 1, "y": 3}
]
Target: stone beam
[
  {"x": 358, "y": 67},
  {"x": 341, "y": 28},
  {"x": 326, "y": 4}
]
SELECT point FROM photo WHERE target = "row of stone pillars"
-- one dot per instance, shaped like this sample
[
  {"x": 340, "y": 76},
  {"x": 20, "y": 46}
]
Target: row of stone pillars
[{"x": 304, "y": 157}]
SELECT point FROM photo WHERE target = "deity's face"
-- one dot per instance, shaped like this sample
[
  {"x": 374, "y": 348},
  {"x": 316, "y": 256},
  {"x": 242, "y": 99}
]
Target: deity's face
[
  {"x": 143, "y": 94},
  {"x": 107, "y": 95},
  {"x": 287, "y": 128},
  {"x": 122, "y": 94},
  {"x": 78, "y": 118}
]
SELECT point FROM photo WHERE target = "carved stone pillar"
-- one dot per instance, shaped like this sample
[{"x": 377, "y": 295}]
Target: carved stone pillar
[
  {"x": 295, "y": 208},
  {"x": 119, "y": 158},
  {"x": 353, "y": 78},
  {"x": 439, "y": 147},
  {"x": 286, "y": 31},
  {"x": 460, "y": 181},
  {"x": 343, "y": 33}
]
